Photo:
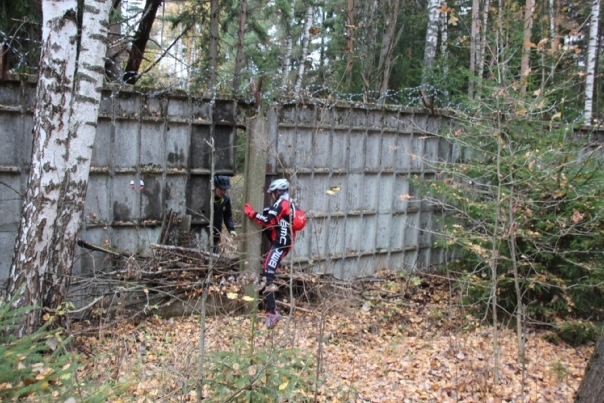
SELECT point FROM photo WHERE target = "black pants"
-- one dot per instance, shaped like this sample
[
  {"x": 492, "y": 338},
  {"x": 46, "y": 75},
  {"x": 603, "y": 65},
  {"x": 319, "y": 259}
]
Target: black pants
[{"x": 271, "y": 262}]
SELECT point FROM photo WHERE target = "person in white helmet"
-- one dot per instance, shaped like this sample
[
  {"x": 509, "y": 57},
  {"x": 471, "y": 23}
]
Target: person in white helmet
[{"x": 276, "y": 219}]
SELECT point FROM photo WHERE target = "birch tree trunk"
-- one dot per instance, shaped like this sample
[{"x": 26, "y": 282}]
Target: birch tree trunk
[
  {"x": 305, "y": 44},
  {"x": 526, "y": 45},
  {"x": 443, "y": 26},
  {"x": 65, "y": 118},
  {"x": 213, "y": 51},
  {"x": 240, "y": 43},
  {"x": 288, "y": 21},
  {"x": 431, "y": 37},
  {"x": 592, "y": 54}
]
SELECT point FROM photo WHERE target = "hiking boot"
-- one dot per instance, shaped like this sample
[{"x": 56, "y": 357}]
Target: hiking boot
[{"x": 272, "y": 319}]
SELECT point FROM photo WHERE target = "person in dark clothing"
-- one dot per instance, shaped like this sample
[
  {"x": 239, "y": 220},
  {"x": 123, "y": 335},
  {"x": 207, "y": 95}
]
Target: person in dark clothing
[
  {"x": 276, "y": 221},
  {"x": 222, "y": 209}
]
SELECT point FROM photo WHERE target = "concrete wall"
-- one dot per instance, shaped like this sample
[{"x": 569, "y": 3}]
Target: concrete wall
[
  {"x": 350, "y": 167},
  {"x": 151, "y": 137}
]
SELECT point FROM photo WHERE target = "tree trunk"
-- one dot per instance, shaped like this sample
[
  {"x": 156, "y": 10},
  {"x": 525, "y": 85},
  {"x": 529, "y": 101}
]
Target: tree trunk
[
  {"x": 240, "y": 43},
  {"x": 350, "y": 46},
  {"x": 368, "y": 39},
  {"x": 288, "y": 21},
  {"x": 213, "y": 52},
  {"x": 389, "y": 41},
  {"x": 135, "y": 58},
  {"x": 305, "y": 44},
  {"x": 592, "y": 54},
  {"x": 65, "y": 121},
  {"x": 481, "y": 48},
  {"x": 473, "y": 46},
  {"x": 591, "y": 389},
  {"x": 431, "y": 38},
  {"x": 444, "y": 36},
  {"x": 526, "y": 46}
]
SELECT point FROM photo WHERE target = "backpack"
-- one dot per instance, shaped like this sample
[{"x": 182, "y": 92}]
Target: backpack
[{"x": 299, "y": 219}]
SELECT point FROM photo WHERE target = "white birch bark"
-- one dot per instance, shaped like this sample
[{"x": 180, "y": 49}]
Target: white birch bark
[
  {"x": 592, "y": 54},
  {"x": 431, "y": 37},
  {"x": 305, "y": 44},
  {"x": 444, "y": 35},
  {"x": 287, "y": 54},
  {"x": 65, "y": 119}
]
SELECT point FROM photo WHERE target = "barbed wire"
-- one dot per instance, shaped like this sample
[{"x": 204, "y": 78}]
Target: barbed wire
[
  {"x": 170, "y": 73},
  {"x": 173, "y": 74}
]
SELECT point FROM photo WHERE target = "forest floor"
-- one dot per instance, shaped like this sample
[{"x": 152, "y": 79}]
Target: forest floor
[{"x": 400, "y": 341}]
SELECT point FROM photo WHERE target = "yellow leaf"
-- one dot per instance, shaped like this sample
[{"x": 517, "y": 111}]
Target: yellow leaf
[
  {"x": 557, "y": 115},
  {"x": 453, "y": 20},
  {"x": 521, "y": 112},
  {"x": 537, "y": 93},
  {"x": 231, "y": 295},
  {"x": 283, "y": 385},
  {"x": 247, "y": 298}
]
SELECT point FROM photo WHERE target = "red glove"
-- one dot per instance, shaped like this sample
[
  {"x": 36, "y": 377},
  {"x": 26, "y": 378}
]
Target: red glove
[{"x": 249, "y": 211}]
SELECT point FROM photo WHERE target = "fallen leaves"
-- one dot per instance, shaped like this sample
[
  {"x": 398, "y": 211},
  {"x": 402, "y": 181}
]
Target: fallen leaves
[{"x": 411, "y": 342}]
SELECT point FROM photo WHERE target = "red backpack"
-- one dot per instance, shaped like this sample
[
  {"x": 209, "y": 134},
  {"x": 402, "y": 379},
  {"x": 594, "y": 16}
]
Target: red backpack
[{"x": 299, "y": 219}]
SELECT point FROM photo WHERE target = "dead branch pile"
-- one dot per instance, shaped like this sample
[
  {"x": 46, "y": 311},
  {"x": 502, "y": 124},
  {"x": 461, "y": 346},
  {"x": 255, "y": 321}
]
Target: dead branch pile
[
  {"x": 140, "y": 285},
  {"x": 175, "y": 274}
]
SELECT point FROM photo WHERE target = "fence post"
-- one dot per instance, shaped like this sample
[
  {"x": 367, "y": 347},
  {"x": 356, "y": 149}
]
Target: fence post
[{"x": 253, "y": 191}]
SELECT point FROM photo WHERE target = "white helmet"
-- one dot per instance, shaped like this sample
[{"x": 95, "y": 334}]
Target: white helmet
[{"x": 278, "y": 184}]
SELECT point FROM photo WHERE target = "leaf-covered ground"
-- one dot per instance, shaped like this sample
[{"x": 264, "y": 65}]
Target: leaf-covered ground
[{"x": 397, "y": 342}]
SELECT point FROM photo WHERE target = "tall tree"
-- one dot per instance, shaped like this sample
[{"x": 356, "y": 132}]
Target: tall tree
[
  {"x": 213, "y": 53},
  {"x": 592, "y": 56},
  {"x": 431, "y": 38},
  {"x": 474, "y": 38},
  {"x": 482, "y": 46},
  {"x": 525, "y": 67},
  {"x": 139, "y": 43},
  {"x": 65, "y": 118},
  {"x": 390, "y": 39},
  {"x": 287, "y": 22},
  {"x": 240, "y": 45},
  {"x": 305, "y": 44}
]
